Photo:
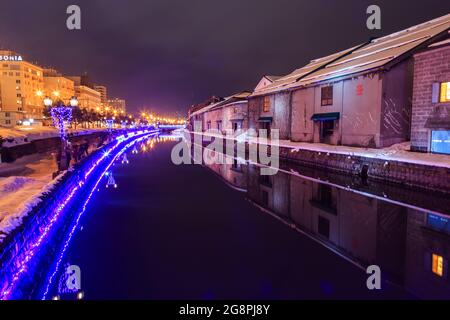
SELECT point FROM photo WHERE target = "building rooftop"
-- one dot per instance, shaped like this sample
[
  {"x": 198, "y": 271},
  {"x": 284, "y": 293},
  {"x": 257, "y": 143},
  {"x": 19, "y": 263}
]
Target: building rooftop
[
  {"x": 241, "y": 96},
  {"x": 367, "y": 57}
]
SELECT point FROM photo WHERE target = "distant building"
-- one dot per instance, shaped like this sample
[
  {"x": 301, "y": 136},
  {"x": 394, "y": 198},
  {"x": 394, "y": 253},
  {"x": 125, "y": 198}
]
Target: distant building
[
  {"x": 57, "y": 86},
  {"x": 21, "y": 83},
  {"x": 103, "y": 94},
  {"x": 83, "y": 80},
  {"x": 225, "y": 114},
  {"x": 117, "y": 104},
  {"x": 430, "y": 131},
  {"x": 88, "y": 98}
]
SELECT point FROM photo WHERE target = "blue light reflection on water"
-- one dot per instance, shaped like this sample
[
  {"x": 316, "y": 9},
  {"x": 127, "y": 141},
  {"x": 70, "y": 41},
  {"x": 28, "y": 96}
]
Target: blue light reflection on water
[
  {"x": 22, "y": 267},
  {"x": 79, "y": 215}
]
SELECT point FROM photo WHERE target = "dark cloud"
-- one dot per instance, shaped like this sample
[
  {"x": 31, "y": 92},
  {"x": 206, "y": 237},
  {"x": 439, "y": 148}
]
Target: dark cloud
[{"x": 168, "y": 54}]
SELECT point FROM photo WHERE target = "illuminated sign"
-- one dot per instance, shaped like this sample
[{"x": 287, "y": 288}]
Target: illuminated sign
[{"x": 11, "y": 58}]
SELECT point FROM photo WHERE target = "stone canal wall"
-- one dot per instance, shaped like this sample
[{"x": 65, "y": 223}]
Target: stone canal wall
[
  {"x": 410, "y": 174},
  {"x": 435, "y": 178},
  {"x": 10, "y": 154}
]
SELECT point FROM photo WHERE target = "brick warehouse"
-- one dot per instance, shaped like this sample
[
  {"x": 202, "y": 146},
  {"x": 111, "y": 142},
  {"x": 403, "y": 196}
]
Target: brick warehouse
[
  {"x": 430, "y": 128},
  {"x": 361, "y": 96}
]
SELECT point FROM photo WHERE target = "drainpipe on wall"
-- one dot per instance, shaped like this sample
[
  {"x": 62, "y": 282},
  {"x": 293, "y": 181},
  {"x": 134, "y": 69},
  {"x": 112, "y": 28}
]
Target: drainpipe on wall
[{"x": 290, "y": 115}]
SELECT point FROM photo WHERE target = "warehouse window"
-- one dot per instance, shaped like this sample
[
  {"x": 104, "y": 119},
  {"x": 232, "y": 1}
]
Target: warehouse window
[
  {"x": 437, "y": 265},
  {"x": 327, "y": 96},
  {"x": 324, "y": 227},
  {"x": 445, "y": 92},
  {"x": 266, "y": 104}
]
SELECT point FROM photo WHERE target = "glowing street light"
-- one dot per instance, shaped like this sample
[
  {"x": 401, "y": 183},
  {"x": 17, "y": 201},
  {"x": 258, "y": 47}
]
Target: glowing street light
[
  {"x": 73, "y": 102},
  {"x": 61, "y": 115},
  {"x": 48, "y": 102}
]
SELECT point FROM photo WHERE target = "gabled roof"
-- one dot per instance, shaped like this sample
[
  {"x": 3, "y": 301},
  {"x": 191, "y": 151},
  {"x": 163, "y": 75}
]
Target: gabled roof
[
  {"x": 241, "y": 96},
  {"x": 290, "y": 79},
  {"x": 371, "y": 56},
  {"x": 266, "y": 81}
]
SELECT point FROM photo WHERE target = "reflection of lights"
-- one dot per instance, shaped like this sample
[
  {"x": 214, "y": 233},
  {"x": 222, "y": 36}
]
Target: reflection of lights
[
  {"x": 95, "y": 187},
  {"x": 22, "y": 262},
  {"x": 56, "y": 298}
]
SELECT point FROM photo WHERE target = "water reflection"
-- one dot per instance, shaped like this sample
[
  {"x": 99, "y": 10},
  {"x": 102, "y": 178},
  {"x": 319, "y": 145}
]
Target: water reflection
[{"x": 410, "y": 243}]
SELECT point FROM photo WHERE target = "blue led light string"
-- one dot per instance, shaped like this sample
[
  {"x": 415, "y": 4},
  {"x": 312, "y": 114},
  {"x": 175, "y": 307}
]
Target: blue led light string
[{"x": 23, "y": 263}]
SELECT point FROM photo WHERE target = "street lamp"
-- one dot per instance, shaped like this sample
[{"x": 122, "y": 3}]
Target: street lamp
[{"x": 61, "y": 114}]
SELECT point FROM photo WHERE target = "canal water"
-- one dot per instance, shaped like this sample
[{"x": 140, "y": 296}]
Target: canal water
[{"x": 226, "y": 232}]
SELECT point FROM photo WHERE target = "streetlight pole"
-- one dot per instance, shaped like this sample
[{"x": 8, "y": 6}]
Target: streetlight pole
[{"x": 61, "y": 115}]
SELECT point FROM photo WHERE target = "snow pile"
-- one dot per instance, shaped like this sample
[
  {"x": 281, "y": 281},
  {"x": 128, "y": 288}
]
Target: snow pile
[
  {"x": 24, "y": 134},
  {"x": 19, "y": 194}
]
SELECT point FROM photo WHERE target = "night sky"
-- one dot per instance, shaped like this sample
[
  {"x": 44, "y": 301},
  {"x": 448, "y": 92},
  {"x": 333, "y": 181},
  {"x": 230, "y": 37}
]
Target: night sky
[{"x": 169, "y": 54}]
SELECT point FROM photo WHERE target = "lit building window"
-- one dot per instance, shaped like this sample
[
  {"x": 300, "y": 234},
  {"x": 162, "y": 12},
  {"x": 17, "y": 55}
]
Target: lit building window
[
  {"x": 266, "y": 104},
  {"x": 445, "y": 92},
  {"x": 437, "y": 266}
]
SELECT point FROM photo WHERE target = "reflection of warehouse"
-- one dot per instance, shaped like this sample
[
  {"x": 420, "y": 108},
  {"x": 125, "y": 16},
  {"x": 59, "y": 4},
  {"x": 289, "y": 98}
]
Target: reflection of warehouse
[
  {"x": 427, "y": 255},
  {"x": 325, "y": 213},
  {"x": 411, "y": 247},
  {"x": 232, "y": 171}
]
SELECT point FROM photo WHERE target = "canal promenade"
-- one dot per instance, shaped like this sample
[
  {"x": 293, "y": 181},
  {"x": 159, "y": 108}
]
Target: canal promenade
[{"x": 47, "y": 226}]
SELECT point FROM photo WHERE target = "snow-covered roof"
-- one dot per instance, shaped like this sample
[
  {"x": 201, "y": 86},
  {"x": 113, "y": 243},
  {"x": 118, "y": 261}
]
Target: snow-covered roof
[
  {"x": 238, "y": 97},
  {"x": 372, "y": 55},
  {"x": 441, "y": 43},
  {"x": 292, "y": 78}
]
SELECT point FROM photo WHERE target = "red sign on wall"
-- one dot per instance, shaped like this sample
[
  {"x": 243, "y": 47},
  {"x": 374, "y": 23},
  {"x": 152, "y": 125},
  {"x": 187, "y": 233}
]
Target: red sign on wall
[{"x": 359, "y": 90}]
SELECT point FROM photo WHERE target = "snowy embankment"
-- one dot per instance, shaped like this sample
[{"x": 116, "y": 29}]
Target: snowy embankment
[
  {"x": 24, "y": 134},
  {"x": 27, "y": 179},
  {"x": 398, "y": 152}
]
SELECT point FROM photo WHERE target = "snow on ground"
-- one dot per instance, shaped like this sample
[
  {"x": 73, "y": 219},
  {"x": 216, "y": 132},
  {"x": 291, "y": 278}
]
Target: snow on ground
[
  {"x": 27, "y": 179},
  {"x": 24, "y": 134},
  {"x": 397, "y": 152}
]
